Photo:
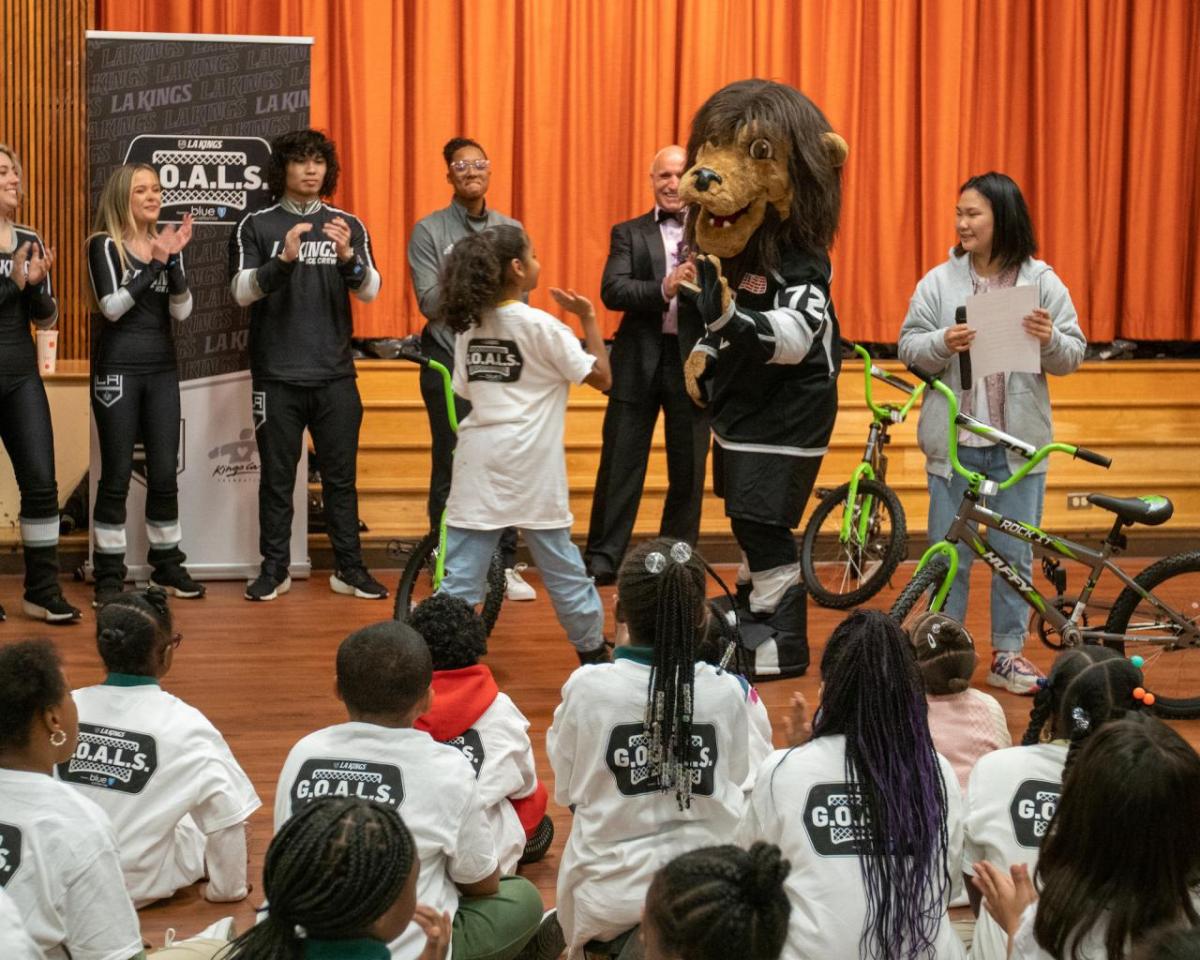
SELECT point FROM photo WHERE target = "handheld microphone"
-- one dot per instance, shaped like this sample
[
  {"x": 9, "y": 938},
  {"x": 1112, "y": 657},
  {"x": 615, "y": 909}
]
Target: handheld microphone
[{"x": 964, "y": 358}]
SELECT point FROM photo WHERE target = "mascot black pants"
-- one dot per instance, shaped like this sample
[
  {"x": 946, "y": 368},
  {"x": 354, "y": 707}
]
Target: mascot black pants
[
  {"x": 27, "y": 435},
  {"x": 129, "y": 407},
  {"x": 332, "y": 412}
]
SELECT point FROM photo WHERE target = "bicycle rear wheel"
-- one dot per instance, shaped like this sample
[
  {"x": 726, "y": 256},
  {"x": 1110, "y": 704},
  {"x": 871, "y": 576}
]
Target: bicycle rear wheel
[
  {"x": 416, "y": 582},
  {"x": 917, "y": 596},
  {"x": 845, "y": 574},
  {"x": 1170, "y": 651}
]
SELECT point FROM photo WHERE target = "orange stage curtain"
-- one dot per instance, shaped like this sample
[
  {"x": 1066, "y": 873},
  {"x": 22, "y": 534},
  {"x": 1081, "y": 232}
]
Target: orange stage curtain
[{"x": 1093, "y": 107}]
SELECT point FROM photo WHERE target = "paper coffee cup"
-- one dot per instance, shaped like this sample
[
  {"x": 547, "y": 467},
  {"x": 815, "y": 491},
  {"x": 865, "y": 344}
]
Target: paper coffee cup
[{"x": 47, "y": 350}]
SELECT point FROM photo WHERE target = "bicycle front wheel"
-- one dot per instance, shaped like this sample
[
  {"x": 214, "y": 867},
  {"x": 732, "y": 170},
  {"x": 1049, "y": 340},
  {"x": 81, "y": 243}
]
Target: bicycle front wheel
[
  {"x": 845, "y": 573},
  {"x": 917, "y": 596},
  {"x": 1170, "y": 651},
  {"x": 416, "y": 582}
]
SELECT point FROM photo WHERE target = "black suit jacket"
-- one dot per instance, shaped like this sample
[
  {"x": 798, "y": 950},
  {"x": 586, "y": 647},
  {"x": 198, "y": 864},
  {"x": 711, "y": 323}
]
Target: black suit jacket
[{"x": 632, "y": 283}]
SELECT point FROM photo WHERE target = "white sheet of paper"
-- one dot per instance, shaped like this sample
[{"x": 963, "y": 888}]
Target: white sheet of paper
[{"x": 1001, "y": 344}]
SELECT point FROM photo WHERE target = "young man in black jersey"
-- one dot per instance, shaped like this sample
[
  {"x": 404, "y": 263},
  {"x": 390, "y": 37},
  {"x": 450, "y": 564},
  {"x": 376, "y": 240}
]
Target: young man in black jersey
[{"x": 295, "y": 265}]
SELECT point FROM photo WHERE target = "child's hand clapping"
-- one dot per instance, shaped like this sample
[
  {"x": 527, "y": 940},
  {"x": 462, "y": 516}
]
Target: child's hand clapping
[
  {"x": 797, "y": 724},
  {"x": 1005, "y": 895},
  {"x": 573, "y": 302}
]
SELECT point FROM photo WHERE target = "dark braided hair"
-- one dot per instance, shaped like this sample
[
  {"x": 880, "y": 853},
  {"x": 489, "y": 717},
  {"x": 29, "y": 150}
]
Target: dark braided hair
[
  {"x": 452, "y": 630},
  {"x": 719, "y": 903},
  {"x": 332, "y": 870},
  {"x": 1087, "y": 686},
  {"x": 474, "y": 274},
  {"x": 31, "y": 680},
  {"x": 660, "y": 591},
  {"x": 874, "y": 697},
  {"x": 130, "y": 630}
]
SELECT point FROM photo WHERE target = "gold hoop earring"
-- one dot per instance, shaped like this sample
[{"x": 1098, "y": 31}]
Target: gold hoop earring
[{"x": 58, "y": 737}]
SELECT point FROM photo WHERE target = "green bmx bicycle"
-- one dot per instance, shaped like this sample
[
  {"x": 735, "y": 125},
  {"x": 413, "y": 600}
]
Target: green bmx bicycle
[
  {"x": 426, "y": 564},
  {"x": 1156, "y": 616},
  {"x": 856, "y": 537}
]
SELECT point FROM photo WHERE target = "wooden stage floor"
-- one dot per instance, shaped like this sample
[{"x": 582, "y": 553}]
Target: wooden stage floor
[{"x": 264, "y": 674}]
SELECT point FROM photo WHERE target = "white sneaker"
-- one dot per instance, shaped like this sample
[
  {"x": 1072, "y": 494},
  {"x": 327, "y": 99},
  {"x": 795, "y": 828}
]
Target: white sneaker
[
  {"x": 515, "y": 586},
  {"x": 223, "y": 930}
]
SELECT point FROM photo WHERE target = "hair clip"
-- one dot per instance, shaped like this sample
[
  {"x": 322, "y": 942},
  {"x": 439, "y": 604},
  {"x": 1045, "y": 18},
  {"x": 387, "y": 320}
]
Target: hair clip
[
  {"x": 656, "y": 562},
  {"x": 1082, "y": 720},
  {"x": 1137, "y": 661},
  {"x": 1144, "y": 695},
  {"x": 1043, "y": 683},
  {"x": 681, "y": 552}
]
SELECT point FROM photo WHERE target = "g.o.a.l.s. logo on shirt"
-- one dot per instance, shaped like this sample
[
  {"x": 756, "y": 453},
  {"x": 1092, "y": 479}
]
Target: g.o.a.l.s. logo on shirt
[
  {"x": 470, "y": 745},
  {"x": 121, "y": 760},
  {"x": 10, "y": 852},
  {"x": 497, "y": 361},
  {"x": 628, "y": 757},
  {"x": 1032, "y": 809},
  {"x": 108, "y": 388},
  {"x": 329, "y": 777},
  {"x": 836, "y": 821}
]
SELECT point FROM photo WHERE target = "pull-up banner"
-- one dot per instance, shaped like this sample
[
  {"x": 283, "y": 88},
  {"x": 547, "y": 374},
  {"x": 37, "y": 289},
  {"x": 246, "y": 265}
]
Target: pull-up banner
[{"x": 202, "y": 110}]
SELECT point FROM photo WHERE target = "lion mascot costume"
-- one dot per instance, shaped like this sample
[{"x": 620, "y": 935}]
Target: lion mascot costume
[{"x": 763, "y": 186}]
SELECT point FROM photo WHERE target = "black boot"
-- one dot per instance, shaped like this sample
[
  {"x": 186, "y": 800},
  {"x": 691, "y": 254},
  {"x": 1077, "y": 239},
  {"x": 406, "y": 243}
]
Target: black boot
[
  {"x": 109, "y": 571},
  {"x": 537, "y": 845},
  {"x": 775, "y": 645},
  {"x": 44, "y": 599},
  {"x": 170, "y": 574}
]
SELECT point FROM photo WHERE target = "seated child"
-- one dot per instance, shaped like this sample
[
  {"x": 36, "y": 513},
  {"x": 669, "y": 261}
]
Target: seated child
[
  {"x": 649, "y": 751},
  {"x": 1013, "y": 794},
  {"x": 384, "y": 673},
  {"x": 471, "y": 714},
  {"x": 965, "y": 723},
  {"x": 177, "y": 799}
]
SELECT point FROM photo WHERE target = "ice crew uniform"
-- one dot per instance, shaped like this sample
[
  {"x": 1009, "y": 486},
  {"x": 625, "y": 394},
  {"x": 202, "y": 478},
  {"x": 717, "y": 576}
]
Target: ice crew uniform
[
  {"x": 135, "y": 394},
  {"x": 772, "y": 385},
  {"x": 432, "y": 787},
  {"x": 59, "y": 864},
  {"x": 163, "y": 774},
  {"x": 625, "y": 828},
  {"x": 303, "y": 371},
  {"x": 25, "y": 423},
  {"x": 1011, "y": 797},
  {"x": 803, "y": 804}
]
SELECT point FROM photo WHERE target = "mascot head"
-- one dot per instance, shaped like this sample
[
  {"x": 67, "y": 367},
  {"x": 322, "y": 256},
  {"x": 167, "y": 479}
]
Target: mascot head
[{"x": 764, "y": 173}]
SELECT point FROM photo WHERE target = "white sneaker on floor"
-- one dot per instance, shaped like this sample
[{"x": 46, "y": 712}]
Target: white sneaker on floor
[
  {"x": 224, "y": 930},
  {"x": 1014, "y": 673},
  {"x": 515, "y": 587}
]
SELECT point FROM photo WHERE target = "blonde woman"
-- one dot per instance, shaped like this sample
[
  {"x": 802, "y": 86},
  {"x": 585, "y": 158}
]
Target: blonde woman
[
  {"x": 27, "y": 296},
  {"x": 139, "y": 287}
]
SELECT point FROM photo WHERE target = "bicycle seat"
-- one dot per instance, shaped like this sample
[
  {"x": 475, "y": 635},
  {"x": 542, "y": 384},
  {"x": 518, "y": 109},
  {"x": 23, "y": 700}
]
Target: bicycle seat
[{"x": 1150, "y": 510}]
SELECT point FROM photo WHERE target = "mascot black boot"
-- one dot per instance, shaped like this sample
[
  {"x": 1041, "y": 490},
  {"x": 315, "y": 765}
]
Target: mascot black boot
[{"x": 763, "y": 188}]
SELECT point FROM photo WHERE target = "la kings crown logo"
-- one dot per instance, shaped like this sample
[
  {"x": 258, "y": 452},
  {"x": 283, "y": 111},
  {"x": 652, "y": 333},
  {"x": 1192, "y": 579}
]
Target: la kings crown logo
[
  {"x": 1032, "y": 809},
  {"x": 111, "y": 759},
  {"x": 628, "y": 757},
  {"x": 331, "y": 777},
  {"x": 495, "y": 361},
  {"x": 10, "y": 852}
]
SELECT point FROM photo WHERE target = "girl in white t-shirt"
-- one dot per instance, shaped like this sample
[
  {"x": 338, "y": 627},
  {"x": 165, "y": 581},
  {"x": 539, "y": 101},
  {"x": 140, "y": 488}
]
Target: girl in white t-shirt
[
  {"x": 866, "y": 811},
  {"x": 649, "y": 751},
  {"x": 1122, "y": 856},
  {"x": 515, "y": 364},
  {"x": 1013, "y": 793},
  {"x": 178, "y": 800},
  {"x": 58, "y": 855}
]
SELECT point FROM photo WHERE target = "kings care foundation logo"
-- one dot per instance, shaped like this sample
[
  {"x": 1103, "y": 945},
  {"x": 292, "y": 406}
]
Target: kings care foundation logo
[{"x": 215, "y": 179}]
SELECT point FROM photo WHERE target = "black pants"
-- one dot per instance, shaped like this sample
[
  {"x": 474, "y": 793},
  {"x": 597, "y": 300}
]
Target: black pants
[
  {"x": 332, "y": 412},
  {"x": 628, "y": 432},
  {"x": 444, "y": 439},
  {"x": 28, "y": 437},
  {"x": 129, "y": 407}
]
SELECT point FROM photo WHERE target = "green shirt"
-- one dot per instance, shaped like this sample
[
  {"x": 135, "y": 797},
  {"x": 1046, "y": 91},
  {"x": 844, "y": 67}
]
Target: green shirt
[
  {"x": 364, "y": 949},
  {"x": 642, "y": 655}
]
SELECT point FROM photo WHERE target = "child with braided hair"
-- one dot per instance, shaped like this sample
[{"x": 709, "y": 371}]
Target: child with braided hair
[
  {"x": 341, "y": 880},
  {"x": 178, "y": 800},
  {"x": 866, "y": 811},
  {"x": 1012, "y": 794},
  {"x": 717, "y": 903},
  {"x": 650, "y": 751}
]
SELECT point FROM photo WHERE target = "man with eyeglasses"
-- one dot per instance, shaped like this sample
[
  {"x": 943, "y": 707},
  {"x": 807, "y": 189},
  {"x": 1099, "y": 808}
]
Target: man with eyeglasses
[{"x": 468, "y": 171}]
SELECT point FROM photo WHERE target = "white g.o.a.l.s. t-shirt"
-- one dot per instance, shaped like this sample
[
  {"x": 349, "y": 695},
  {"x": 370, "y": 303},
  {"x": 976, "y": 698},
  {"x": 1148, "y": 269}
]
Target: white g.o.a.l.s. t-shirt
[
  {"x": 1011, "y": 797},
  {"x": 59, "y": 864},
  {"x": 802, "y": 803},
  {"x": 516, "y": 368},
  {"x": 429, "y": 784},
  {"x": 149, "y": 760}
]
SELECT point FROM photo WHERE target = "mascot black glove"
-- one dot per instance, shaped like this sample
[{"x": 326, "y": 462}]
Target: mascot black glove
[{"x": 711, "y": 293}]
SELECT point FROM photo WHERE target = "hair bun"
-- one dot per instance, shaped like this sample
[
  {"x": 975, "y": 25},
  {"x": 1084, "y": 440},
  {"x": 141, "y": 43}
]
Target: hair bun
[
  {"x": 768, "y": 871},
  {"x": 113, "y": 635}
]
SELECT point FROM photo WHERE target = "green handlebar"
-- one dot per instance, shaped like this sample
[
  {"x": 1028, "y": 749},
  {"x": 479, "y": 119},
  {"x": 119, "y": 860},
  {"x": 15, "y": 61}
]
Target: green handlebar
[
  {"x": 891, "y": 413},
  {"x": 448, "y": 388}
]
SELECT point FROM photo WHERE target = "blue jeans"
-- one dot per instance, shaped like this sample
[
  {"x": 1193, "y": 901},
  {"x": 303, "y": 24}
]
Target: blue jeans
[
  {"x": 576, "y": 602},
  {"x": 1010, "y": 613}
]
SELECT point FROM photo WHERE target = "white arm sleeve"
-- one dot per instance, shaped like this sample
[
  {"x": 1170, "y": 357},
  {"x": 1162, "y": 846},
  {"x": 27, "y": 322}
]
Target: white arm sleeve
[{"x": 225, "y": 857}]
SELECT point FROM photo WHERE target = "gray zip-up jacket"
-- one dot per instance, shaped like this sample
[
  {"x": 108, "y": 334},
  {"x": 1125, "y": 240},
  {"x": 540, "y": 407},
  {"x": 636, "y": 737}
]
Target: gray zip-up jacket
[{"x": 1026, "y": 397}]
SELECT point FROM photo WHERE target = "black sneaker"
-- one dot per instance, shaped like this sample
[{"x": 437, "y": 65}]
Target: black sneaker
[
  {"x": 357, "y": 582},
  {"x": 267, "y": 587},
  {"x": 107, "y": 590},
  {"x": 537, "y": 845},
  {"x": 548, "y": 942},
  {"x": 602, "y": 654},
  {"x": 52, "y": 609},
  {"x": 177, "y": 581}
]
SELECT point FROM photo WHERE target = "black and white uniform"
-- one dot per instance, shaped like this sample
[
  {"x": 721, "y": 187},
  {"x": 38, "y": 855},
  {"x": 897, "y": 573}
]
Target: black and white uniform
[
  {"x": 773, "y": 395},
  {"x": 167, "y": 780},
  {"x": 135, "y": 395},
  {"x": 625, "y": 828},
  {"x": 25, "y": 418},
  {"x": 430, "y": 785},
  {"x": 303, "y": 371},
  {"x": 59, "y": 864},
  {"x": 1011, "y": 797}
]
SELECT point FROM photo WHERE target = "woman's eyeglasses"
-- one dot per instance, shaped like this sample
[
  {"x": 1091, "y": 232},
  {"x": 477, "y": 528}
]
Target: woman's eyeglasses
[{"x": 462, "y": 166}]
